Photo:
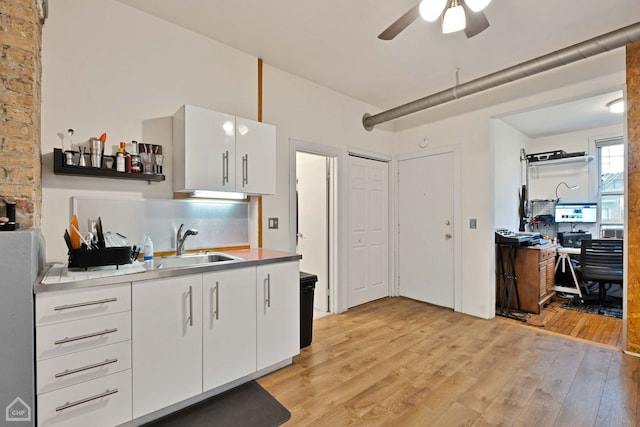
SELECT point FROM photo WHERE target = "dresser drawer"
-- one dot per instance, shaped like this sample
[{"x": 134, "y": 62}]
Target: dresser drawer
[
  {"x": 105, "y": 401},
  {"x": 548, "y": 253},
  {"x": 74, "y": 368},
  {"x": 69, "y": 337},
  {"x": 63, "y": 306}
]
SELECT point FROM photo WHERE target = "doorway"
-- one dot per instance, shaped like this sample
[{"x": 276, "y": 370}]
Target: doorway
[
  {"x": 428, "y": 228},
  {"x": 314, "y": 205},
  {"x": 313, "y": 190}
]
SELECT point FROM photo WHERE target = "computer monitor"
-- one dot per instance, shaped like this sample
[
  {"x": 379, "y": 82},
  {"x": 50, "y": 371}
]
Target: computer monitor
[{"x": 576, "y": 212}]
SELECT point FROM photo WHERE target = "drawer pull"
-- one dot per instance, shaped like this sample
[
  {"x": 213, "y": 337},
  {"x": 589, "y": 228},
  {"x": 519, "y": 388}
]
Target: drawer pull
[
  {"x": 84, "y": 304},
  {"x": 85, "y": 400},
  {"x": 85, "y": 368},
  {"x": 83, "y": 337}
]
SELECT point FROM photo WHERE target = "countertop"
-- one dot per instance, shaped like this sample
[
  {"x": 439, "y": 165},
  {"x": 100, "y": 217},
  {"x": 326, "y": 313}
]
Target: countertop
[{"x": 57, "y": 277}]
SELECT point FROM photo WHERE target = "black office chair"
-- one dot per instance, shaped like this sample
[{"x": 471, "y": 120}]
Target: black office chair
[{"x": 601, "y": 262}]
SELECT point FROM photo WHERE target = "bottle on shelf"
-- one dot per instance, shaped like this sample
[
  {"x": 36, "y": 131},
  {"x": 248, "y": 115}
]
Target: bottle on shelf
[
  {"x": 123, "y": 159},
  {"x": 136, "y": 164},
  {"x": 120, "y": 158}
]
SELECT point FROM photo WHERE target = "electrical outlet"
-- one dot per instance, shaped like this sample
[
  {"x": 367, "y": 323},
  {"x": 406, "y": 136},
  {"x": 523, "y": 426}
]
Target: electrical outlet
[
  {"x": 92, "y": 225},
  {"x": 473, "y": 223},
  {"x": 273, "y": 223}
]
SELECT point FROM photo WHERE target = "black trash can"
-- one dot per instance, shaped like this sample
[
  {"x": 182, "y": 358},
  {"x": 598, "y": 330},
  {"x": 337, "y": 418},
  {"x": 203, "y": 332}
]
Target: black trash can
[{"x": 307, "y": 287}]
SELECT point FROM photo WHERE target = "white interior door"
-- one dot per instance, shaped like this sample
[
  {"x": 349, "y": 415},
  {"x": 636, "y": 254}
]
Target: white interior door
[
  {"x": 426, "y": 218},
  {"x": 368, "y": 264},
  {"x": 313, "y": 223}
]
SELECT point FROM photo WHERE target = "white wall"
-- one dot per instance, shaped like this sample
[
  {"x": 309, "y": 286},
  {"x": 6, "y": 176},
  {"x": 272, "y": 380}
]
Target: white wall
[
  {"x": 111, "y": 68},
  {"x": 508, "y": 174},
  {"x": 473, "y": 133},
  {"x": 543, "y": 180},
  {"x": 307, "y": 112}
]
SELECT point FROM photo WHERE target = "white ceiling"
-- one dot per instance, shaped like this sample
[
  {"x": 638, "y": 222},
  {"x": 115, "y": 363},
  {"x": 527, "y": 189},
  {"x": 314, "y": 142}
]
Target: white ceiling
[
  {"x": 334, "y": 42},
  {"x": 580, "y": 114}
]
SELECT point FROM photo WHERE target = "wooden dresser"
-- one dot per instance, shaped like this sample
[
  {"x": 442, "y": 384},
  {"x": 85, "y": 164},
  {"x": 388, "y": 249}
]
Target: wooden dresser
[{"x": 535, "y": 276}]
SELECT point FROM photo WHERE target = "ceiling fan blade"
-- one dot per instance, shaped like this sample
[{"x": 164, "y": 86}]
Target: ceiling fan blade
[
  {"x": 401, "y": 23},
  {"x": 477, "y": 22}
]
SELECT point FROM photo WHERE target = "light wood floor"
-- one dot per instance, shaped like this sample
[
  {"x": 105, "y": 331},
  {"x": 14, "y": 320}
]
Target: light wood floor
[
  {"x": 591, "y": 327},
  {"x": 398, "y": 362}
]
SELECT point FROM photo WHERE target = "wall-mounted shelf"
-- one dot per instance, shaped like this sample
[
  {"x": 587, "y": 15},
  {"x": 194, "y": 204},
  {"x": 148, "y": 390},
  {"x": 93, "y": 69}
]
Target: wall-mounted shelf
[
  {"x": 59, "y": 168},
  {"x": 578, "y": 159}
]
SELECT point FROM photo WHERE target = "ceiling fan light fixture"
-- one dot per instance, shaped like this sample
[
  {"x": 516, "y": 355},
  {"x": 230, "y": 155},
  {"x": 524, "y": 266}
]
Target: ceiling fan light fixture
[
  {"x": 616, "y": 106},
  {"x": 477, "y": 5},
  {"x": 454, "y": 19},
  {"x": 430, "y": 10}
]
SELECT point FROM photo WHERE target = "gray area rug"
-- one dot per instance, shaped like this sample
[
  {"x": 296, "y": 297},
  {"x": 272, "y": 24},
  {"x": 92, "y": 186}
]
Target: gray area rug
[
  {"x": 246, "y": 405},
  {"x": 595, "y": 309}
]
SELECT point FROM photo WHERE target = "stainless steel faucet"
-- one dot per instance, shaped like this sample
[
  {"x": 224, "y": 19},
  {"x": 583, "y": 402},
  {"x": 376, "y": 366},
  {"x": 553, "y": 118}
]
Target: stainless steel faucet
[{"x": 180, "y": 238}]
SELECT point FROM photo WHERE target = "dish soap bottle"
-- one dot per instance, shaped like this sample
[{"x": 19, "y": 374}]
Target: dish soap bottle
[{"x": 148, "y": 250}]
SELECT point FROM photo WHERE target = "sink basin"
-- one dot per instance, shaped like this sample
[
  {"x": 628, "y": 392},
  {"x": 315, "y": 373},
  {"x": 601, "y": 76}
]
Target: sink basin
[{"x": 195, "y": 259}]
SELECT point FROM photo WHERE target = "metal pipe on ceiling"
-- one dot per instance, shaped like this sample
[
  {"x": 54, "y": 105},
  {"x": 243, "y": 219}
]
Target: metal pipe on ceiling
[{"x": 601, "y": 44}]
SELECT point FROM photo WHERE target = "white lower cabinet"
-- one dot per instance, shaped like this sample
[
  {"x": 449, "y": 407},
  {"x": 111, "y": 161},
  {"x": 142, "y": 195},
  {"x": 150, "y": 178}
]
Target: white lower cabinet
[
  {"x": 105, "y": 401},
  {"x": 278, "y": 308},
  {"x": 167, "y": 341},
  {"x": 194, "y": 333},
  {"x": 229, "y": 328},
  {"x": 83, "y": 356}
]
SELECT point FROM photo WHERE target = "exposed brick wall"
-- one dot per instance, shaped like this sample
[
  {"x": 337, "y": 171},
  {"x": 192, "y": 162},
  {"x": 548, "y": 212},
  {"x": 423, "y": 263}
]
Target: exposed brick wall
[
  {"x": 633, "y": 197},
  {"x": 20, "y": 77}
]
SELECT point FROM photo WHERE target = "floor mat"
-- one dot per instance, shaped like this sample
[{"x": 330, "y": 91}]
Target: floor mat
[
  {"x": 246, "y": 405},
  {"x": 595, "y": 309}
]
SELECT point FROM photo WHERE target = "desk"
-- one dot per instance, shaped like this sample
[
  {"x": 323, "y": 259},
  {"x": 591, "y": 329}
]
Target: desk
[
  {"x": 563, "y": 255},
  {"x": 531, "y": 274}
]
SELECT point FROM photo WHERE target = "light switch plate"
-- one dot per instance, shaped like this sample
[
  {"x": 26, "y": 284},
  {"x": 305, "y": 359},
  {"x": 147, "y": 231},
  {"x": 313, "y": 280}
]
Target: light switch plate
[{"x": 273, "y": 223}]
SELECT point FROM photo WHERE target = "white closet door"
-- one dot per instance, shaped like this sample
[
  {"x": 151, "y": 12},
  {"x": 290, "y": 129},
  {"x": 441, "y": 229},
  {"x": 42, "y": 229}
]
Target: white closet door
[{"x": 368, "y": 264}]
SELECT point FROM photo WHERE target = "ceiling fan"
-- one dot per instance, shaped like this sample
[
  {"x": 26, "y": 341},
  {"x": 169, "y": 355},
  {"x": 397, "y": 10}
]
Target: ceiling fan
[{"x": 458, "y": 15}]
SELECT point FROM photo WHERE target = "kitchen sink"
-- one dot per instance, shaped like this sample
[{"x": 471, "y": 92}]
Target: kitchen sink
[{"x": 192, "y": 259}]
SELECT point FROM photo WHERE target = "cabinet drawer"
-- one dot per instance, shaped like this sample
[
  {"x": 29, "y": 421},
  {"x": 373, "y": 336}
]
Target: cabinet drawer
[
  {"x": 75, "y": 368},
  {"x": 548, "y": 253},
  {"x": 105, "y": 401},
  {"x": 63, "y": 306},
  {"x": 69, "y": 337}
]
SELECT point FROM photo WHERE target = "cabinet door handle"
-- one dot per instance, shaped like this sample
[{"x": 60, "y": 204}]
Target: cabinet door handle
[
  {"x": 85, "y": 368},
  {"x": 245, "y": 169},
  {"x": 84, "y": 337},
  {"x": 225, "y": 167},
  {"x": 216, "y": 312},
  {"x": 85, "y": 400},
  {"x": 267, "y": 283},
  {"x": 190, "y": 318},
  {"x": 84, "y": 304}
]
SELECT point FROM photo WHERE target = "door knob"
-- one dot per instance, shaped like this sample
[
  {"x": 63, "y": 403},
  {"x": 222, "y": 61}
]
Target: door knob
[{"x": 448, "y": 236}]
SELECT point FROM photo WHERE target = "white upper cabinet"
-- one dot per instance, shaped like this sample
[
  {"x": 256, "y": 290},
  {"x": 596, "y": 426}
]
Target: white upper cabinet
[
  {"x": 255, "y": 157},
  {"x": 219, "y": 152}
]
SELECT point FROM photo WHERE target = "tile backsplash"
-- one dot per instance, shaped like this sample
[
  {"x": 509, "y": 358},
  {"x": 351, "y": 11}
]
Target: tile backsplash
[{"x": 219, "y": 223}]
